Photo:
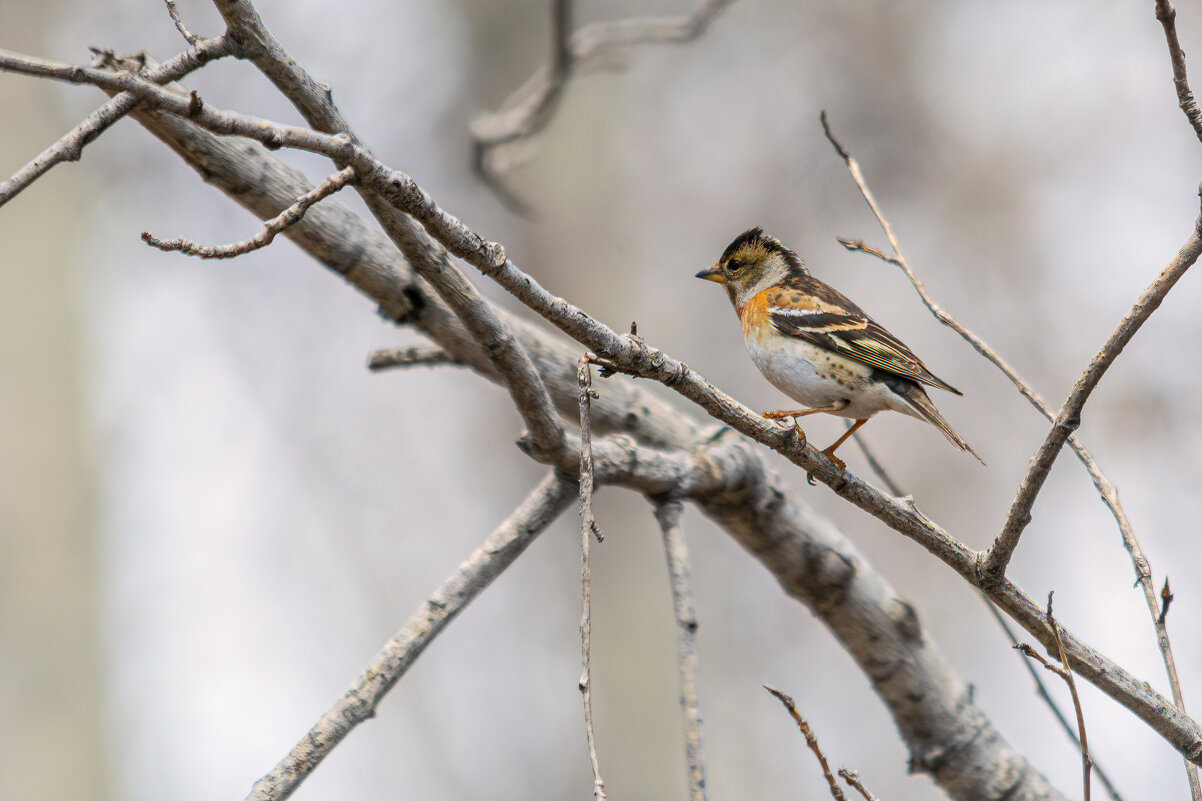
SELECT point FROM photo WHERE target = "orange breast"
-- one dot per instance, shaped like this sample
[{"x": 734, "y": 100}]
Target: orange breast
[{"x": 754, "y": 317}]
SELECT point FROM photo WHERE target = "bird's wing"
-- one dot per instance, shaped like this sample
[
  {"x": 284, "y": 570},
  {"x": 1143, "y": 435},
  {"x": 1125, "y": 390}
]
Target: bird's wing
[{"x": 837, "y": 324}]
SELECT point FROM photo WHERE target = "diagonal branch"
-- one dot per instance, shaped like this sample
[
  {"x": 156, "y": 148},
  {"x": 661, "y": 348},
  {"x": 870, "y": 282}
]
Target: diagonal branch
[
  {"x": 70, "y": 146},
  {"x": 993, "y": 565},
  {"x": 552, "y": 495}
]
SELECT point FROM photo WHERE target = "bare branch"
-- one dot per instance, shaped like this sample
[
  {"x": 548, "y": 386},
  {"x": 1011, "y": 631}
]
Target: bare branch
[
  {"x": 588, "y": 529},
  {"x": 853, "y": 780},
  {"x": 1185, "y": 97},
  {"x": 1067, "y": 674},
  {"x": 499, "y": 551},
  {"x": 189, "y": 37},
  {"x": 408, "y": 357},
  {"x": 993, "y": 565},
  {"x": 811, "y": 741},
  {"x": 70, "y": 146},
  {"x": 1106, "y": 488},
  {"x": 668, "y": 512},
  {"x": 499, "y": 136},
  {"x": 1042, "y": 691},
  {"x": 288, "y": 217}
]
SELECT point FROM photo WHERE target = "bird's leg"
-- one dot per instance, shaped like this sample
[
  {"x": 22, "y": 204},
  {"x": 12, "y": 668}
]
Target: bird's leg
[
  {"x": 830, "y": 452},
  {"x": 841, "y": 405}
]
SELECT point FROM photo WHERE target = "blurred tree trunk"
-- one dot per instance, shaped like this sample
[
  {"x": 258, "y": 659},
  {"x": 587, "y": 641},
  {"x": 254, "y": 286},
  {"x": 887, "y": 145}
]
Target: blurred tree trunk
[{"x": 50, "y": 742}]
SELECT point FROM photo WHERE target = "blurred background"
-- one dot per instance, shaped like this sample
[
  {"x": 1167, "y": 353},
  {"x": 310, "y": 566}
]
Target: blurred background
[{"x": 212, "y": 515}]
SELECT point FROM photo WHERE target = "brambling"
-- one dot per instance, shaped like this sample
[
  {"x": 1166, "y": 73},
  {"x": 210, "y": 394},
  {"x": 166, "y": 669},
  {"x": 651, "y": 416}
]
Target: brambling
[{"x": 818, "y": 347}]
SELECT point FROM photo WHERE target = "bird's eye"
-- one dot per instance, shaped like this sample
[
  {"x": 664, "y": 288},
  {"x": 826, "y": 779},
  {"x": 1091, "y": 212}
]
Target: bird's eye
[{"x": 733, "y": 265}]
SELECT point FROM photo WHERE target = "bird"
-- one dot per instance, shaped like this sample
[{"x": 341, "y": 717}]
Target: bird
[{"x": 816, "y": 346}]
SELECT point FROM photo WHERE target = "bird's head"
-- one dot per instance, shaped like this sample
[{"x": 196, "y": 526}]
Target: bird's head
[{"x": 751, "y": 264}]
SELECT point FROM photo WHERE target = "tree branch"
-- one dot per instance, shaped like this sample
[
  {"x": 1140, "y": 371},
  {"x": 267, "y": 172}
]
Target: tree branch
[
  {"x": 503, "y": 546},
  {"x": 1106, "y": 488},
  {"x": 994, "y": 563},
  {"x": 288, "y": 217},
  {"x": 668, "y": 513},
  {"x": 1185, "y": 96},
  {"x": 70, "y": 146}
]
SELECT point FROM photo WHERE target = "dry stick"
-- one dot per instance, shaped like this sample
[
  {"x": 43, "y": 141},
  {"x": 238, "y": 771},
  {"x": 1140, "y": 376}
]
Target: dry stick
[
  {"x": 423, "y": 355},
  {"x": 1086, "y": 762},
  {"x": 1185, "y": 97},
  {"x": 668, "y": 513},
  {"x": 286, "y": 218},
  {"x": 588, "y": 528},
  {"x": 552, "y": 495},
  {"x": 811, "y": 741},
  {"x": 993, "y": 565},
  {"x": 1042, "y": 690},
  {"x": 70, "y": 146},
  {"x": 853, "y": 779},
  {"x": 1106, "y": 488},
  {"x": 189, "y": 37},
  {"x": 634, "y": 357}
]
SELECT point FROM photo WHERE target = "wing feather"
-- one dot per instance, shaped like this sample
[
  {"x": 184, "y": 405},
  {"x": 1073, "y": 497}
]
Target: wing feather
[{"x": 851, "y": 333}]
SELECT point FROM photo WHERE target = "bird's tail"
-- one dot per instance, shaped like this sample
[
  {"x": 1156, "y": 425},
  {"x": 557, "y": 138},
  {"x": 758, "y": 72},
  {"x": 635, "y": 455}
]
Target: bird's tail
[{"x": 918, "y": 400}]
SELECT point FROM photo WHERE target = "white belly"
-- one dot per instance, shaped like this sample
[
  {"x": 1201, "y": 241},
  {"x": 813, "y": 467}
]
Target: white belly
[{"x": 817, "y": 378}]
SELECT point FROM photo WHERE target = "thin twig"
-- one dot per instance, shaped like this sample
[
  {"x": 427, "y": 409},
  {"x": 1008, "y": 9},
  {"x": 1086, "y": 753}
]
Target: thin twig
[
  {"x": 1167, "y": 15},
  {"x": 271, "y": 228},
  {"x": 498, "y": 137},
  {"x": 1105, "y": 487},
  {"x": 994, "y": 563},
  {"x": 1185, "y": 97},
  {"x": 811, "y": 741},
  {"x": 875, "y": 464},
  {"x": 552, "y": 495},
  {"x": 853, "y": 779},
  {"x": 588, "y": 529},
  {"x": 70, "y": 146},
  {"x": 417, "y": 355},
  {"x": 1086, "y": 762},
  {"x": 668, "y": 512},
  {"x": 1042, "y": 691},
  {"x": 189, "y": 37}
]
